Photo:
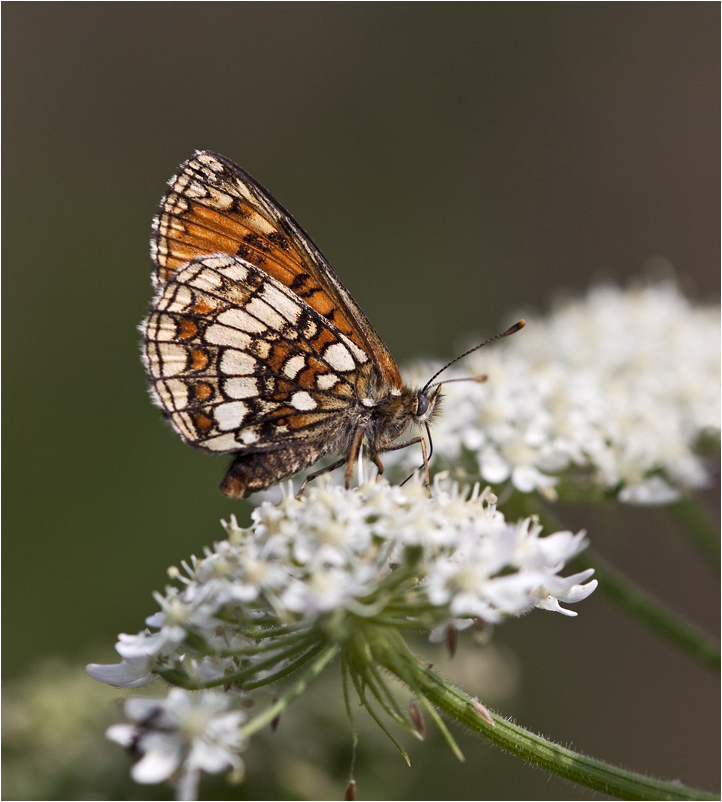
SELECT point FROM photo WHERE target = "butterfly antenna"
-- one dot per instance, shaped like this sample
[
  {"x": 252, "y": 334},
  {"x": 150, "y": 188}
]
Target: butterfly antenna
[
  {"x": 511, "y": 330},
  {"x": 479, "y": 379}
]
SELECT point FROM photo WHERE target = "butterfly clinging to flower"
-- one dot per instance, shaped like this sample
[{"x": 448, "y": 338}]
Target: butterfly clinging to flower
[{"x": 253, "y": 345}]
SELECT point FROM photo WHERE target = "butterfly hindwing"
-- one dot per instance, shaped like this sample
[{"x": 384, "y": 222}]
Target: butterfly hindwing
[{"x": 240, "y": 364}]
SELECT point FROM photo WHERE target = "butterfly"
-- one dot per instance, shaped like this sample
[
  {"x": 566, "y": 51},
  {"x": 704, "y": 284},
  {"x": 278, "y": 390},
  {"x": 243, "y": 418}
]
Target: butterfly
[{"x": 255, "y": 348}]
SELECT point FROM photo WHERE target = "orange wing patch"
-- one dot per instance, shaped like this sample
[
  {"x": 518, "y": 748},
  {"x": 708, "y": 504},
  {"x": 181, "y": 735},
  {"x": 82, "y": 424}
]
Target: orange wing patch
[{"x": 213, "y": 206}]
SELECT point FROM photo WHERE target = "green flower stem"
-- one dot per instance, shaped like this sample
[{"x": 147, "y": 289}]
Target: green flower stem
[
  {"x": 375, "y": 681},
  {"x": 316, "y": 668},
  {"x": 239, "y": 677},
  {"x": 265, "y": 633},
  {"x": 394, "y": 581},
  {"x": 282, "y": 639},
  {"x": 642, "y": 605},
  {"x": 356, "y": 679},
  {"x": 651, "y": 611},
  {"x": 345, "y": 672},
  {"x": 693, "y": 518},
  {"x": 289, "y": 668},
  {"x": 390, "y": 650},
  {"x": 415, "y": 625},
  {"x": 413, "y": 608}
]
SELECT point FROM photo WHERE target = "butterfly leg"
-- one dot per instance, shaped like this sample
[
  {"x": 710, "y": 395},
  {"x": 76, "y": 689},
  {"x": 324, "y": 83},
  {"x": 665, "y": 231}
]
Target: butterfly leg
[
  {"x": 425, "y": 465},
  {"x": 356, "y": 445},
  {"x": 379, "y": 465},
  {"x": 316, "y": 474},
  {"x": 353, "y": 454}
]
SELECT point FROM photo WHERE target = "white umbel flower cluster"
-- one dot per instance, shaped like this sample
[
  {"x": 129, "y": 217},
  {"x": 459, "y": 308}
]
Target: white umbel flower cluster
[
  {"x": 613, "y": 392},
  {"x": 379, "y": 552},
  {"x": 184, "y": 734}
]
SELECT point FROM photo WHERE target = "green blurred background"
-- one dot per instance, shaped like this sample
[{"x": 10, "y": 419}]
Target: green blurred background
[{"x": 457, "y": 163}]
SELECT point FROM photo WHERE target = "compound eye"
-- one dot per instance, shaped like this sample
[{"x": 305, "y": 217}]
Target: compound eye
[{"x": 422, "y": 404}]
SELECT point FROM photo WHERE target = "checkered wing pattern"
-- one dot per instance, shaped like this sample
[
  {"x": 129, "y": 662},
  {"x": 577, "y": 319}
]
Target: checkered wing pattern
[
  {"x": 239, "y": 362},
  {"x": 214, "y": 206}
]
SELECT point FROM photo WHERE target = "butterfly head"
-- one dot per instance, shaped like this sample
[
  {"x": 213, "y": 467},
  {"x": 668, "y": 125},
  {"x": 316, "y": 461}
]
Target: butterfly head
[{"x": 425, "y": 404}]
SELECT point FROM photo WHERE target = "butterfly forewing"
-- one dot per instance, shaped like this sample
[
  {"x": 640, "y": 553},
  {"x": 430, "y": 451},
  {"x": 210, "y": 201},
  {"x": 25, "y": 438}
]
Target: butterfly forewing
[{"x": 213, "y": 206}]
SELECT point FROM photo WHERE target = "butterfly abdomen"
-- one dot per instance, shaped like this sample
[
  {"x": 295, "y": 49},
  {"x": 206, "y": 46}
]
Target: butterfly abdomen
[{"x": 259, "y": 470}]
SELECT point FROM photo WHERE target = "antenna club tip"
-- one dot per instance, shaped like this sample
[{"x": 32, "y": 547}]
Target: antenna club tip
[{"x": 512, "y": 329}]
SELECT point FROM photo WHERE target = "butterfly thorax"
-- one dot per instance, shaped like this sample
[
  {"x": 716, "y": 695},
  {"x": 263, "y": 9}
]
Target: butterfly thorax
[{"x": 391, "y": 415}]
